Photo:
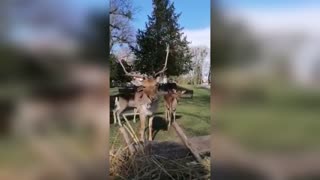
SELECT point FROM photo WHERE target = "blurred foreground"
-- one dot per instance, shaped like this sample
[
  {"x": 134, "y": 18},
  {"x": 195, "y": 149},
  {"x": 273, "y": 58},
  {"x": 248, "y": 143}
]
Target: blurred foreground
[
  {"x": 54, "y": 91},
  {"x": 265, "y": 94}
]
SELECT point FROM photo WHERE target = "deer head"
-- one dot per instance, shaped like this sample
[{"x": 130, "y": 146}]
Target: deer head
[
  {"x": 177, "y": 94},
  {"x": 149, "y": 84}
]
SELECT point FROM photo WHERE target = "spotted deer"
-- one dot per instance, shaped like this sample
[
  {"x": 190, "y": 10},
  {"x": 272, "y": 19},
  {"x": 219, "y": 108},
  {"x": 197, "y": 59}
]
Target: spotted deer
[
  {"x": 171, "y": 100},
  {"x": 139, "y": 101},
  {"x": 145, "y": 99}
]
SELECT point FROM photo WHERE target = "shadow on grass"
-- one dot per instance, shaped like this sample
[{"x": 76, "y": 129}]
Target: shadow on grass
[
  {"x": 158, "y": 113},
  {"x": 159, "y": 123}
]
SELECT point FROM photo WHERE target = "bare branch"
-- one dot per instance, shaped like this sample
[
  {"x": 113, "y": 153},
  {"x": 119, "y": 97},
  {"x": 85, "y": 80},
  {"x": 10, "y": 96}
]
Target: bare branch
[
  {"x": 121, "y": 14},
  {"x": 165, "y": 64},
  {"x": 114, "y": 27},
  {"x": 112, "y": 11},
  {"x": 129, "y": 74}
]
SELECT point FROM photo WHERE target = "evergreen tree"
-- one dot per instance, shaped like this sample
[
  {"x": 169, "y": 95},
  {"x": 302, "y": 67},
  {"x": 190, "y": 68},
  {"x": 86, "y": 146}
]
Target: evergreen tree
[{"x": 162, "y": 28}]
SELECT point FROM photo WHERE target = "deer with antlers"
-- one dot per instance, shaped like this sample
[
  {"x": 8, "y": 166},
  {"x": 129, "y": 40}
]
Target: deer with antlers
[{"x": 145, "y": 99}]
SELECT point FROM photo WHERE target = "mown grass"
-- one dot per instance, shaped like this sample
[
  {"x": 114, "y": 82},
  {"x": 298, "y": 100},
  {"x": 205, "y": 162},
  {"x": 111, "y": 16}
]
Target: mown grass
[
  {"x": 15, "y": 153},
  {"x": 20, "y": 152},
  {"x": 192, "y": 114},
  {"x": 286, "y": 118}
]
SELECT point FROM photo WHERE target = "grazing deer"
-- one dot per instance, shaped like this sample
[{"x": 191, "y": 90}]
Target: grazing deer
[
  {"x": 145, "y": 99},
  {"x": 171, "y": 101}
]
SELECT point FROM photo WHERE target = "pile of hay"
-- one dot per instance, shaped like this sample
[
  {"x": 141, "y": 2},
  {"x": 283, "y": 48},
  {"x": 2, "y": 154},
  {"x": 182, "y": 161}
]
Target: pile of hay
[{"x": 158, "y": 160}]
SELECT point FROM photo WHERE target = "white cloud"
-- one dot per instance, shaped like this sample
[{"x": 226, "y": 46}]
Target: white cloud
[
  {"x": 302, "y": 20},
  {"x": 280, "y": 25},
  {"x": 200, "y": 37}
]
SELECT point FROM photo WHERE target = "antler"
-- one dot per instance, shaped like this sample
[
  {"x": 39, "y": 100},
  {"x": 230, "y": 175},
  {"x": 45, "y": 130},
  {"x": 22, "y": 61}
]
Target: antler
[
  {"x": 129, "y": 74},
  {"x": 165, "y": 64}
]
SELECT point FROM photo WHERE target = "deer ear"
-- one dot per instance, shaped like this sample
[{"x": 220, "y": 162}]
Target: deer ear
[
  {"x": 136, "y": 82},
  {"x": 158, "y": 79}
]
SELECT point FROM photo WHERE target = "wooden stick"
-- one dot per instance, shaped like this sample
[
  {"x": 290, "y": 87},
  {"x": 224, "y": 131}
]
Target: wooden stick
[
  {"x": 130, "y": 133},
  {"x": 186, "y": 142},
  {"x": 131, "y": 129},
  {"x": 127, "y": 139}
]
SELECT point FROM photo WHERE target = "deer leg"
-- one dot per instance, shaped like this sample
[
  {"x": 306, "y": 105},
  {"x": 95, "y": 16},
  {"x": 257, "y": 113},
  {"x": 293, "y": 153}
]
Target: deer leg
[
  {"x": 166, "y": 112},
  {"x": 119, "y": 119},
  {"x": 142, "y": 126},
  {"x": 119, "y": 111},
  {"x": 134, "y": 114},
  {"x": 116, "y": 110},
  {"x": 168, "y": 117},
  {"x": 154, "y": 134},
  {"x": 150, "y": 128},
  {"x": 114, "y": 117},
  {"x": 174, "y": 116}
]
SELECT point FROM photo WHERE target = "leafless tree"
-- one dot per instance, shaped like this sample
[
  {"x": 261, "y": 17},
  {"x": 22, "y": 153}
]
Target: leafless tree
[
  {"x": 121, "y": 31},
  {"x": 209, "y": 76},
  {"x": 199, "y": 54}
]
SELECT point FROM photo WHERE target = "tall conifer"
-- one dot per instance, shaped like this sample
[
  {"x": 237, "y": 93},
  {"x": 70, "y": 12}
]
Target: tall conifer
[{"x": 162, "y": 28}]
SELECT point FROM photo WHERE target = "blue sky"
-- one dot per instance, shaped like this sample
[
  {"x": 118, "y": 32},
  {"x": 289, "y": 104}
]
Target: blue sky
[
  {"x": 268, "y": 4},
  {"x": 194, "y": 15}
]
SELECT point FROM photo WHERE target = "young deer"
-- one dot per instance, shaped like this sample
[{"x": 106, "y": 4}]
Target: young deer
[
  {"x": 171, "y": 101},
  {"x": 145, "y": 99}
]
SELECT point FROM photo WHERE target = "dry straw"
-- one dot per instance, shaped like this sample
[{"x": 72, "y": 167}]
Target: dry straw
[{"x": 152, "y": 164}]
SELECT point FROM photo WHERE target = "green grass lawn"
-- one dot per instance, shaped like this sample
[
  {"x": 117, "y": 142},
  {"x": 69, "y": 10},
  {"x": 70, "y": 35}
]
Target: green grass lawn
[
  {"x": 19, "y": 152},
  {"x": 193, "y": 116},
  {"x": 286, "y": 119},
  {"x": 15, "y": 153}
]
